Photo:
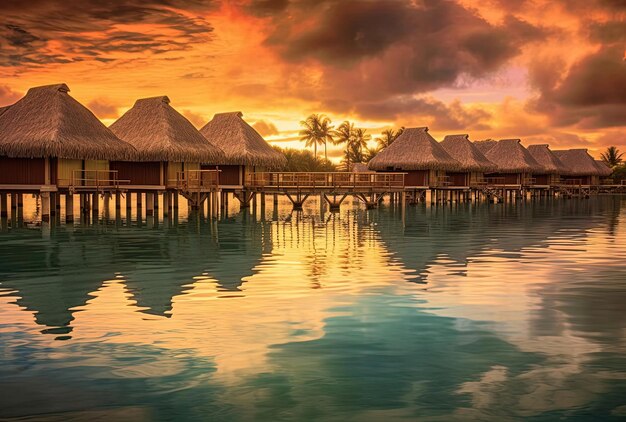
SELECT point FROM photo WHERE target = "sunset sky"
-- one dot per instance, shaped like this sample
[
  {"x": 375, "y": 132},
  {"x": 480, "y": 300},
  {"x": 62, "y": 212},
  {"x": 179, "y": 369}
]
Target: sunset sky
[{"x": 543, "y": 71}]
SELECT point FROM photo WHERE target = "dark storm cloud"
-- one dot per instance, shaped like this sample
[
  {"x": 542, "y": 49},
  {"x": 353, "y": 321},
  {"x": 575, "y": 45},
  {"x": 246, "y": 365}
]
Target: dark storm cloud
[
  {"x": 41, "y": 32},
  {"x": 608, "y": 32},
  {"x": 373, "y": 49},
  {"x": 592, "y": 94},
  {"x": 451, "y": 116}
]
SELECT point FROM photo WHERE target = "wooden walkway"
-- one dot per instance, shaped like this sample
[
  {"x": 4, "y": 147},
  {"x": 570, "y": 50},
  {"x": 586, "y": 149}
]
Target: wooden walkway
[{"x": 334, "y": 187}]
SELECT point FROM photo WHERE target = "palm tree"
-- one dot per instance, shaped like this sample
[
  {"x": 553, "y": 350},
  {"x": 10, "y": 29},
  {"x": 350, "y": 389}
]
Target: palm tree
[
  {"x": 370, "y": 153},
  {"x": 361, "y": 138},
  {"x": 612, "y": 157},
  {"x": 388, "y": 136},
  {"x": 317, "y": 129},
  {"x": 344, "y": 134},
  {"x": 354, "y": 152}
]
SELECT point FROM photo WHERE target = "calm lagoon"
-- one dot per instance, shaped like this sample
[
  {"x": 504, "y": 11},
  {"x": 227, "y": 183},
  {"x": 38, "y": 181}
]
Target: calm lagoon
[{"x": 469, "y": 312}]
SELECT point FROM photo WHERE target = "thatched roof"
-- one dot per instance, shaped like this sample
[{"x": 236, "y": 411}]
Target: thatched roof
[
  {"x": 47, "y": 122},
  {"x": 3, "y": 109},
  {"x": 360, "y": 168},
  {"x": 240, "y": 142},
  {"x": 484, "y": 146},
  {"x": 464, "y": 151},
  {"x": 415, "y": 149},
  {"x": 548, "y": 160},
  {"x": 603, "y": 168},
  {"x": 511, "y": 157},
  {"x": 160, "y": 133},
  {"x": 578, "y": 162}
]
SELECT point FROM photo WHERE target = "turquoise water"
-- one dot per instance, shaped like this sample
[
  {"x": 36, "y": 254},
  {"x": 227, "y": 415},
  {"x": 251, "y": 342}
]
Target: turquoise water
[{"x": 467, "y": 312}]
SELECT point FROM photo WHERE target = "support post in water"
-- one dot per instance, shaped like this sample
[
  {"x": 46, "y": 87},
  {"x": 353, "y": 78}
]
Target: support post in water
[
  {"x": 129, "y": 204},
  {"x": 69, "y": 208},
  {"x": 45, "y": 206},
  {"x": 3, "y": 205},
  {"x": 149, "y": 204}
]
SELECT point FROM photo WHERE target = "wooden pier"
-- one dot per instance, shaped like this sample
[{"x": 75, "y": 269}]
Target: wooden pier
[
  {"x": 333, "y": 187},
  {"x": 93, "y": 189}
]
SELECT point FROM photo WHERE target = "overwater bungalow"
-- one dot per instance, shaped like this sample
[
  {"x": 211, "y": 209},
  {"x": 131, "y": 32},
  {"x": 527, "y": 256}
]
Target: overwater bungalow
[
  {"x": 515, "y": 165},
  {"x": 605, "y": 172},
  {"x": 474, "y": 164},
  {"x": 167, "y": 143},
  {"x": 245, "y": 150},
  {"x": 553, "y": 168},
  {"x": 418, "y": 154},
  {"x": 49, "y": 141},
  {"x": 581, "y": 167}
]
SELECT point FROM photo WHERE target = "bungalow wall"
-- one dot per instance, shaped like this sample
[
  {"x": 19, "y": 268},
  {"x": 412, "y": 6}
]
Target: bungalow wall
[
  {"x": 229, "y": 175},
  {"x": 416, "y": 177},
  {"x": 546, "y": 179},
  {"x": 145, "y": 173},
  {"x": 22, "y": 171},
  {"x": 476, "y": 178},
  {"x": 458, "y": 179},
  {"x": 505, "y": 178},
  {"x": 581, "y": 180},
  {"x": 171, "y": 173},
  {"x": 96, "y": 169},
  {"x": 66, "y": 169}
]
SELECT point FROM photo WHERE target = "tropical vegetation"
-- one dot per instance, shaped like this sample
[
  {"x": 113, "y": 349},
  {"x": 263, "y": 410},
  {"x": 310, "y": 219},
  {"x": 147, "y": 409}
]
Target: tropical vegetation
[
  {"x": 304, "y": 160},
  {"x": 612, "y": 157},
  {"x": 317, "y": 130},
  {"x": 387, "y": 137}
]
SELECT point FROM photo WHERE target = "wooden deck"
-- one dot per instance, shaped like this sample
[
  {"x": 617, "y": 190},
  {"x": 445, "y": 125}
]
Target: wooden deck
[{"x": 337, "y": 182}]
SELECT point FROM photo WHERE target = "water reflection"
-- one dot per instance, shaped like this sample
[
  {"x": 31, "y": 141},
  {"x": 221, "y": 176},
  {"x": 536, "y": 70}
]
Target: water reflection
[{"x": 475, "y": 311}]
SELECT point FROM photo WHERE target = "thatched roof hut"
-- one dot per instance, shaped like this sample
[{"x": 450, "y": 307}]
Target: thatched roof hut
[
  {"x": 241, "y": 144},
  {"x": 47, "y": 122},
  {"x": 160, "y": 133},
  {"x": 511, "y": 157},
  {"x": 360, "y": 168},
  {"x": 464, "y": 151},
  {"x": 415, "y": 149},
  {"x": 484, "y": 146},
  {"x": 548, "y": 160},
  {"x": 578, "y": 162},
  {"x": 604, "y": 170},
  {"x": 3, "y": 109}
]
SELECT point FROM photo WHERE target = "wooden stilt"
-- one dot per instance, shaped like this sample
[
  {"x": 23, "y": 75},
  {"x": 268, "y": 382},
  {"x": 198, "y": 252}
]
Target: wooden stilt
[
  {"x": 95, "y": 206},
  {"x": 139, "y": 206},
  {"x": 13, "y": 209},
  {"x": 45, "y": 206},
  {"x": 156, "y": 203},
  {"x": 69, "y": 208},
  {"x": 166, "y": 203},
  {"x": 3, "y": 205},
  {"x": 129, "y": 204}
]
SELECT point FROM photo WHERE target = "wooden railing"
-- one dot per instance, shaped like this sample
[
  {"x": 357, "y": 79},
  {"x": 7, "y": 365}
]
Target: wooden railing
[
  {"x": 442, "y": 181},
  {"x": 95, "y": 179},
  {"x": 572, "y": 182},
  {"x": 325, "y": 180},
  {"x": 197, "y": 180}
]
